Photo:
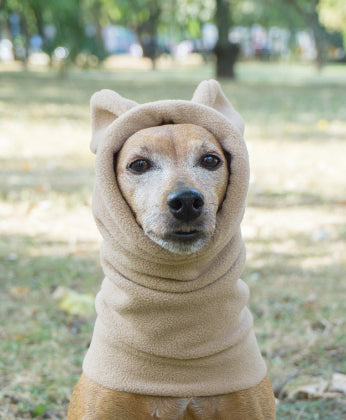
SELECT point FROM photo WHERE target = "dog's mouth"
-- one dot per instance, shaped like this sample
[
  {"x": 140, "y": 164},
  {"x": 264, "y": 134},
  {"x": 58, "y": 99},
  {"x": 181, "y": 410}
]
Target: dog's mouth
[
  {"x": 182, "y": 240},
  {"x": 184, "y": 235}
]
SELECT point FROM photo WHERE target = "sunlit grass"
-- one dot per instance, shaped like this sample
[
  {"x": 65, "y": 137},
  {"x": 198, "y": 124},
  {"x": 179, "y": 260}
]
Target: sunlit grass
[{"x": 294, "y": 227}]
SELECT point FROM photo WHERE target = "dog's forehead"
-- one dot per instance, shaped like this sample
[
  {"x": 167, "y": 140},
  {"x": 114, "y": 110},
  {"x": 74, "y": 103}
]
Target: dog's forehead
[{"x": 180, "y": 138}]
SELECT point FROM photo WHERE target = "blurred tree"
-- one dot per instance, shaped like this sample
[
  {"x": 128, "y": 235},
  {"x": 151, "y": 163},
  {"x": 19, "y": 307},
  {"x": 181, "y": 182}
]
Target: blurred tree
[
  {"x": 95, "y": 18},
  {"x": 77, "y": 24},
  {"x": 190, "y": 15},
  {"x": 267, "y": 13},
  {"x": 143, "y": 17},
  {"x": 226, "y": 52},
  {"x": 332, "y": 14},
  {"x": 151, "y": 20},
  {"x": 293, "y": 14},
  {"x": 69, "y": 18},
  {"x": 308, "y": 10},
  {"x": 18, "y": 20}
]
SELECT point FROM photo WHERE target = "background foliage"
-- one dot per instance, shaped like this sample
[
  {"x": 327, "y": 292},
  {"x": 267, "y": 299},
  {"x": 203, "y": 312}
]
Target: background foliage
[{"x": 152, "y": 20}]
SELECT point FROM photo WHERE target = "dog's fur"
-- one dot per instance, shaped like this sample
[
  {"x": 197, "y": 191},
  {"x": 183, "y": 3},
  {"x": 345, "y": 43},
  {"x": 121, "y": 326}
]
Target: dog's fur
[
  {"x": 91, "y": 401},
  {"x": 174, "y": 153},
  {"x": 153, "y": 164}
]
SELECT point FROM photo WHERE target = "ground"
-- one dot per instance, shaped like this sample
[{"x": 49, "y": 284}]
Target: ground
[{"x": 294, "y": 227}]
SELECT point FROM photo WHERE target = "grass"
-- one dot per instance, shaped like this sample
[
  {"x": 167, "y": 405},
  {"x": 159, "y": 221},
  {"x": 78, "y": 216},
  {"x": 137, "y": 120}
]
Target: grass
[{"x": 294, "y": 226}]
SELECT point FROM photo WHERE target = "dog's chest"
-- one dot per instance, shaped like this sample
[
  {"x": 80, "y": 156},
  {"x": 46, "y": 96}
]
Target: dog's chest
[{"x": 197, "y": 408}]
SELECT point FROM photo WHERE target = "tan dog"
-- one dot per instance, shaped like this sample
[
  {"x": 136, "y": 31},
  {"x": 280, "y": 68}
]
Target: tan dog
[{"x": 174, "y": 178}]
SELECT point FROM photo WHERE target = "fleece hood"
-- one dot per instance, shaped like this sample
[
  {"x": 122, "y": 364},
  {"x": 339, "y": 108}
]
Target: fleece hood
[{"x": 169, "y": 324}]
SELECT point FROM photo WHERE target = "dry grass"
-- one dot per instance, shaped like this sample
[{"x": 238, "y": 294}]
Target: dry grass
[{"x": 294, "y": 227}]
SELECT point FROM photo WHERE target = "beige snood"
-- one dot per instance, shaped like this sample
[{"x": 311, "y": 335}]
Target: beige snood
[{"x": 167, "y": 324}]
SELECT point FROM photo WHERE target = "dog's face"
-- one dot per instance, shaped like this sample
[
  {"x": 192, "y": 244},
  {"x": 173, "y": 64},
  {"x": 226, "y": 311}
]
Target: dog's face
[{"x": 174, "y": 178}]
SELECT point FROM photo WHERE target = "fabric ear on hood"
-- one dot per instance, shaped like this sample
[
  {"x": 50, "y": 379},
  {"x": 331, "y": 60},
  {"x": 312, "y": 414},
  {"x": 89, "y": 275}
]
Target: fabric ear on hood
[
  {"x": 209, "y": 93},
  {"x": 106, "y": 106}
]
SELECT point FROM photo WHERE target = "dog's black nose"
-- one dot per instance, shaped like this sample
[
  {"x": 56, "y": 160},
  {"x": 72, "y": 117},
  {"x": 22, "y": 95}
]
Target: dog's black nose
[{"x": 185, "y": 204}]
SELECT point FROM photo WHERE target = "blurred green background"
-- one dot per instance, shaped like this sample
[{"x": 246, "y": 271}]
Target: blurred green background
[{"x": 282, "y": 65}]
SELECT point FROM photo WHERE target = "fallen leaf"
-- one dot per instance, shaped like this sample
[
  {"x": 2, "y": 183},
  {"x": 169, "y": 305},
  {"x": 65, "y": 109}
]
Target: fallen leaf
[
  {"x": 78, "y": 303},
  {"x": 17, "y": 337},
  {"x": 331, "y": 395},
  {"x": 314, "y": 390},
  {"x": 338, "y": 383},
  {"x": 19, "y": 292},
  {"x": 320, "y": 325},
  {"x": 39, "y": 189},
  {"x": 322, "y": 124},
  {"x": 60, "y": 292},
  {"x": 310, "y": 302},
  {"x": 27, "y": 166}
]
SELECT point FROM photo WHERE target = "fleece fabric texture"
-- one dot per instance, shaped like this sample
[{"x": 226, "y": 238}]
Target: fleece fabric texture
[{"x": 168, "y": 324}]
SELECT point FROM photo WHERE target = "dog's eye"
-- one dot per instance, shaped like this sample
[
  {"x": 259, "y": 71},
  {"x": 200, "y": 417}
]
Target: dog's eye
[
  {"x": 210, "y": 162},
  {"x": 139, "y": 166}
]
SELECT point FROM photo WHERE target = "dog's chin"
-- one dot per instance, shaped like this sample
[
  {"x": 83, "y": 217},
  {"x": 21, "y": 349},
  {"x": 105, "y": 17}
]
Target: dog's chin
[{"x": 181, "y": 242}]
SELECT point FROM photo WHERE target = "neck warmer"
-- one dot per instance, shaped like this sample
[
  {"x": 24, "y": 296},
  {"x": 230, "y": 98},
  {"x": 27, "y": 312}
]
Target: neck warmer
[{"x": 169, "y": 324}]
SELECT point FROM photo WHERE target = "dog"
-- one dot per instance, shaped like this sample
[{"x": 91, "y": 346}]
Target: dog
[{"x": 174, "y": 178}]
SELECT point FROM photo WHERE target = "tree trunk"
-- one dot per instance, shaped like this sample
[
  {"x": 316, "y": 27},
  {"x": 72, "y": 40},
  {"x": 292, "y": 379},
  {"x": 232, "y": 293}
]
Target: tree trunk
[
  {"x": 319, "y": 34},
  {"x": 226, "y": 58},
  {"x": 100, "y": 47},
  {"x": 37, "y": 11},
  {"x": 225, "y": 52},
  {"x": 26, "y": 38},
  {"x": 310, "y": 17},
  {"x": 147, "y": 34}
]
